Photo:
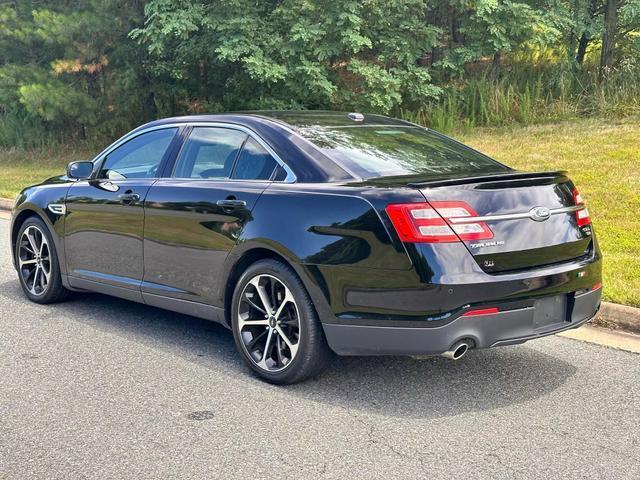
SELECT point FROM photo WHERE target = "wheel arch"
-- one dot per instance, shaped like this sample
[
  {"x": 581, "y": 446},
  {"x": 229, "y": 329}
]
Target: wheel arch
[
  {"x": 247, "y": 255},
  {"x": 17, "y": 222},
  {"x": 20, "y": 216},
  {"x": 237, "y": 268}
]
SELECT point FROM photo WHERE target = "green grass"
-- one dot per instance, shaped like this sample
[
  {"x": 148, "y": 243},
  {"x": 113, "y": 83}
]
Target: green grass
[
  {"x": 602, "y": 157},
  {"x": 22, "y": 167}
]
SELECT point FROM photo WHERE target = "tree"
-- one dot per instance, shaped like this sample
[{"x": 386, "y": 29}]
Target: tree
[
  {"x": 318, "y": 54},
  {"x": 70, "y": 65},
  {"x": 96, "y": 68},
  {"x": 477, "y": 29},
  {"x": 621, "y": 18}
]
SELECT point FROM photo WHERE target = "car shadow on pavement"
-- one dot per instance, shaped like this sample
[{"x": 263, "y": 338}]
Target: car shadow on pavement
[{"x": 388, "y": 386}]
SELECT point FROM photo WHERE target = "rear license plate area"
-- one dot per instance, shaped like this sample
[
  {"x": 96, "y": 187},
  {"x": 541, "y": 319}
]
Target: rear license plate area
[{"x": 549, "y": 311}]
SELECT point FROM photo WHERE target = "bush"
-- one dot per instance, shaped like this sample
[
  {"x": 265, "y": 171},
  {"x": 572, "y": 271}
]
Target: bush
[{"x": 527, "y": 94}]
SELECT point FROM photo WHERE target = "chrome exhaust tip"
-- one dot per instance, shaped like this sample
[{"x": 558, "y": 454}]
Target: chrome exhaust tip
[{"x": 457, "y": 351}]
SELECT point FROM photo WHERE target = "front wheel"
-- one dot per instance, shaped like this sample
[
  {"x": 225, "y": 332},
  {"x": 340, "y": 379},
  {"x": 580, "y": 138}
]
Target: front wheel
[
  {"x": 37, "y": 262},
  {"x": 275, "y": 325}
]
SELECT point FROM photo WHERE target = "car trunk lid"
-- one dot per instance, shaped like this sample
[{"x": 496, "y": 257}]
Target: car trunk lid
[{"x": 532, "y": 218}]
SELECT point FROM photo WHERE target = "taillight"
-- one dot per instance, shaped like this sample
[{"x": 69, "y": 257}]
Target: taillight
[
  {"x": 582, "y": 216},
  {"x": 430, "y": 222},
  {"x": 467, "y": 230}
]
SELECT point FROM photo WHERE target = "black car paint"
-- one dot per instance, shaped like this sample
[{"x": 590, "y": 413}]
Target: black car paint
[{"x": 331, "y": 228}]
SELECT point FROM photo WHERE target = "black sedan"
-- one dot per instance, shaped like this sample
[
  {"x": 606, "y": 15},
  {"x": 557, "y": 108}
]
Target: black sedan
[{"x": 308, "y": 233}]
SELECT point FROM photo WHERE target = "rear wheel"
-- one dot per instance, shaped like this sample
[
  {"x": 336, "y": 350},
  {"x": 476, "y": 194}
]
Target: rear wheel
[
  {"x": 37, "y": 261},
  {"x": 275, "y": 325}
]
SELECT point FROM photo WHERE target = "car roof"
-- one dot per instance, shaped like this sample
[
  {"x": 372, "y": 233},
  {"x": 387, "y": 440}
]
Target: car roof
[
  {"x": 291, "y": 118},
  {"x": 326, "y": 118}
]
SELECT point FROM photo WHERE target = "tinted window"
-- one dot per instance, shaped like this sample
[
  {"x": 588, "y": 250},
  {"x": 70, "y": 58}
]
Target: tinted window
[
  {"x": 209, "y": 153},
  {"x": 380, "y": 151},
  {"x": 140, "y": 157},
  {"x": 254, "y": 163}
]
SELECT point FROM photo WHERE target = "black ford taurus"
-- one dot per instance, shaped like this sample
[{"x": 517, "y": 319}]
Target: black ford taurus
[{"x": 312, "y": 232}]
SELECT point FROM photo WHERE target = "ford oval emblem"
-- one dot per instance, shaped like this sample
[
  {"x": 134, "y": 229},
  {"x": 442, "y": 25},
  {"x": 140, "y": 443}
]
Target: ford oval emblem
[{"x": 539, "y": 214}]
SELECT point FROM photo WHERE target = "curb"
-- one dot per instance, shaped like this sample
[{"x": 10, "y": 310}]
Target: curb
[
  {"x": 615, "y": 316},
  {"x": 6, "y": 204},
  {"x": 611, "y": 315}
]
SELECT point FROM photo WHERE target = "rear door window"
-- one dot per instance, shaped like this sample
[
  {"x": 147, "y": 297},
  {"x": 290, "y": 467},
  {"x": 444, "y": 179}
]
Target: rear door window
[{"x": 209, "y": 152}]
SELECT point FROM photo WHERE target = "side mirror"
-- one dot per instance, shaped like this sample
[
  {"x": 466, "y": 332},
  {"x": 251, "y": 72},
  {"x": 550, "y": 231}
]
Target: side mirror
[{"x": 80, "y": 170}]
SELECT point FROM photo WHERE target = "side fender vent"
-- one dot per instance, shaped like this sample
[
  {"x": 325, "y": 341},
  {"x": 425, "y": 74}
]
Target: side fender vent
[{"x": 57, "y": 208}]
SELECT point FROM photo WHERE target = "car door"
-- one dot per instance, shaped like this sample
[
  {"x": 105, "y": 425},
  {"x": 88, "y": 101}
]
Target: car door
[
  {"x": 194, "y": 216},
  {"x": 105, "y": 216}
]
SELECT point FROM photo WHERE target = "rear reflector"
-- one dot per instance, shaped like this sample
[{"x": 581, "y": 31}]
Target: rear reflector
[
  {"x": 429, "y": 222},
  {"x": 582, "y": 216},
  {"x": 597, "y": 286},
  {"x": 480, "y": 311}
]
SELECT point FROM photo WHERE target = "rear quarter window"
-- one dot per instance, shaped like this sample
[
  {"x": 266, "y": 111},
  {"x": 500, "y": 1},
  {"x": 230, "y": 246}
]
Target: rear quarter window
[{"x": 254, "y": 162}]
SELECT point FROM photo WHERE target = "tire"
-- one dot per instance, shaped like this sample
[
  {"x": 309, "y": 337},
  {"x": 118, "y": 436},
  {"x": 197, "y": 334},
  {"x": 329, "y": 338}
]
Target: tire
[
  {"x": 32, "y": 267},
  {"x": 297, "y": 348}
]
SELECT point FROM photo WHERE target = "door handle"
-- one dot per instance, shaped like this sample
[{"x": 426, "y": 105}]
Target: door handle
[
  {"x": 128, "y": 197},
  {"x": 231, "y": 203}
]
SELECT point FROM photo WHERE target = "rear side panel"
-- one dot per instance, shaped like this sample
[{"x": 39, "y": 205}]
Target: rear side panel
[
  {"x": 335, "y": 239},
  {"x": 324, "y": 227}
]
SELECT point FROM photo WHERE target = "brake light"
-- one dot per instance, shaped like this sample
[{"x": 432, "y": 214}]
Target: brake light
[
  {"x": 419, "y": 222},
  {"x": 582, "y": 216},
  {"x": 431, "y": 222}
]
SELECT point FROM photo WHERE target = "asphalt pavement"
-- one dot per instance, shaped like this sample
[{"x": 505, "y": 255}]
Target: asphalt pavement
[{"x": 98, "y": 387}]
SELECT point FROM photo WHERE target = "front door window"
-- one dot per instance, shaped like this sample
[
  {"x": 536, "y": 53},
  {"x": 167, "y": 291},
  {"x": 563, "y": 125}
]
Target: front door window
[{"x": 140, "y": 157}]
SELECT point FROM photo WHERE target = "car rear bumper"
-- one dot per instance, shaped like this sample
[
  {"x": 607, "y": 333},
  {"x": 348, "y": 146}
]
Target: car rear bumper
[{"x": 502, "y": 328}]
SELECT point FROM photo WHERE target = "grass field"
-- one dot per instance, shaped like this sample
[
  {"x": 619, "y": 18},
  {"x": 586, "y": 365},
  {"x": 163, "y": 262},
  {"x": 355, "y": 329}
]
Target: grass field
[
  {"x": 19, "y": 167},
  {"x": 602, "y": 157}
]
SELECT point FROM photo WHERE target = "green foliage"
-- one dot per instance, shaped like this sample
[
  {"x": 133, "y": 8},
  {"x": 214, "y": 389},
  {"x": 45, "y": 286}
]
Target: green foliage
[
  {"x": 322, "y": 54},
  {"x": 63, "y": 69},
  {"x": 57, "y": 102},
  {"x": 497, "y": 27},
  {"x": 95, "y": 68},
  {"x": 533, "y": 94}
]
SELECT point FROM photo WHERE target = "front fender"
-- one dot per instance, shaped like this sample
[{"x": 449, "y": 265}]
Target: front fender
[{"x": 35, "y": 201}]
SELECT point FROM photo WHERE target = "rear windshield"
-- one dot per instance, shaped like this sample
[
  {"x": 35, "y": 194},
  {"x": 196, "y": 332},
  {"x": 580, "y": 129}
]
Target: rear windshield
[{"x": 382, "y": 151}]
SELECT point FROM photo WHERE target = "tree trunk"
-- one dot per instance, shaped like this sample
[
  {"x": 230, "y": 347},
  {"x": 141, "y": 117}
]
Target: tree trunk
[
  {"x": 150, "y": 110},
  {"x": 436, "y": 54},
  {"x": 586, "y": 38},
  {"x": 608, "y": 37},
  {"x": 438, "y": 17},
  {"x": 495, "y": 65},
  {"x": 582, "y": 48}
]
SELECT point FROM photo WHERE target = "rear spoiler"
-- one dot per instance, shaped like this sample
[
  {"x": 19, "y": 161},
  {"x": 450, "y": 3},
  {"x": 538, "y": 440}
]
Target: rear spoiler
[{"x": 493, "y": 177}]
